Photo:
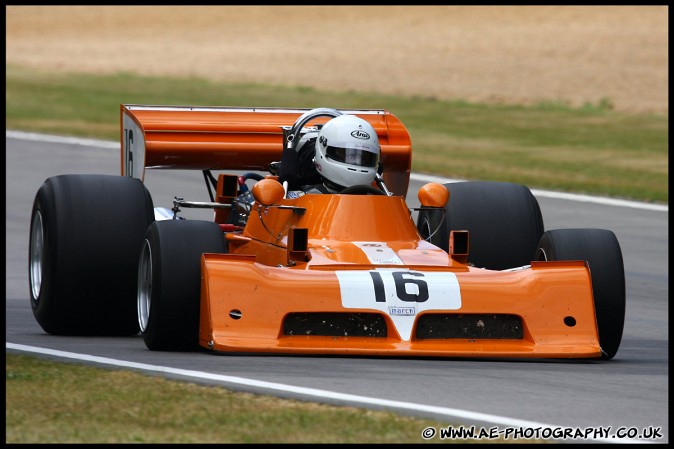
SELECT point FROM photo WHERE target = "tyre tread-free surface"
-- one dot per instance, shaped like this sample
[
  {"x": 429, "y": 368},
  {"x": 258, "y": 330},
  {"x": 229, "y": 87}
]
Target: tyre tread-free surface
[
  {"x": 175, "y": 248},
  {"x": 91, "y": 228},
  {"x": 504, "y": 221}
]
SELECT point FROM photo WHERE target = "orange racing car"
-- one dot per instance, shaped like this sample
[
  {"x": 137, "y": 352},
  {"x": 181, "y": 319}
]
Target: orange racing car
[{"x": 350, "y": 272}]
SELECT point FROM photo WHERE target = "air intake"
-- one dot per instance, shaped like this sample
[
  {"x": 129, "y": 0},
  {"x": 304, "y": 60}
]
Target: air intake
[
  {"x": 472, "y": 326},
  {"x": 335, "y": 324}
]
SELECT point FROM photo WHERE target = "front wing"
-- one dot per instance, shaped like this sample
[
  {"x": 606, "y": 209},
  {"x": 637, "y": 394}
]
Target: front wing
[{"x": 546, "y": 310}]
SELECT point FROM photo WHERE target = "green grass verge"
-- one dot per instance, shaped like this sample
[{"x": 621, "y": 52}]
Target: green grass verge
[
  {"x": 48, "y": 402},
  {"x": 591, "y": 149}
]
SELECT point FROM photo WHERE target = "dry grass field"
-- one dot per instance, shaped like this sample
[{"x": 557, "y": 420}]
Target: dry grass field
[{"x": 501, "y": 54}]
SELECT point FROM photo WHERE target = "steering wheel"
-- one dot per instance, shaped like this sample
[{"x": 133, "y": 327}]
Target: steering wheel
[
  {"x": 362, "y": 189},
  {"x": 293, "y": 133}
]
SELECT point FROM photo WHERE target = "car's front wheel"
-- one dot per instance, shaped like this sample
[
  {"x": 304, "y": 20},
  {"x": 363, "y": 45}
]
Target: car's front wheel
[
  {"x": 601, "y": 250},
  {"x": 169, "y": 281}
]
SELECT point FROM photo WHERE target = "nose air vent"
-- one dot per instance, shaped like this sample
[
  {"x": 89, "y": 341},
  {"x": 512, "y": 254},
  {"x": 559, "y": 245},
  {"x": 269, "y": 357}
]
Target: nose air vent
[
  {"x": 472, "y": 326},
  {"x": 335, "y": 324}
]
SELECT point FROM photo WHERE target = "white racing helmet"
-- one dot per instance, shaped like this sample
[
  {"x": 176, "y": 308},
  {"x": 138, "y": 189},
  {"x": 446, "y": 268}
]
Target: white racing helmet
[{"x": 347, "y": 151}]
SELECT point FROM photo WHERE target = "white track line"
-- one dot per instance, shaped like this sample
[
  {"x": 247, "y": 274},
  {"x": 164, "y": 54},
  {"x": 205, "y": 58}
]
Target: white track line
[
  {"x": 414, "y": 176},
  {"x": 61, "y": 139},
  {"x": 313, "y": 393}
]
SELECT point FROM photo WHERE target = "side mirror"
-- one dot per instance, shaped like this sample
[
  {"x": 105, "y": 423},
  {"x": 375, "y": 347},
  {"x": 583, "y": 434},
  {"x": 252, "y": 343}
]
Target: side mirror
[
  {"x": 433, "y": 194},
  {"x": 268, "y": 192}
]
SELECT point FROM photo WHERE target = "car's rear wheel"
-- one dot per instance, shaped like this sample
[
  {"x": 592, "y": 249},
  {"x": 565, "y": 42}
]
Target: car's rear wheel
[
  {"x": 169, "y": 281},
  {"x": 601, "y": 250},
  {"x": 85, "y": 234},
  {"x": 504, "y": 221}
]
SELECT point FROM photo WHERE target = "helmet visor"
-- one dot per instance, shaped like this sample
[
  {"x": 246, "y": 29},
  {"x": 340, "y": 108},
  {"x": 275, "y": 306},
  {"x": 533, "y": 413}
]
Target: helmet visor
[{"x": 362, "y": 157}]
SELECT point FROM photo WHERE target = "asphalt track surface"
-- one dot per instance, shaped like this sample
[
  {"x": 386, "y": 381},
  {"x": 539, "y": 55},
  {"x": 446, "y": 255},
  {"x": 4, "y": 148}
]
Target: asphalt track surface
[{"x": 631, "y": 391}]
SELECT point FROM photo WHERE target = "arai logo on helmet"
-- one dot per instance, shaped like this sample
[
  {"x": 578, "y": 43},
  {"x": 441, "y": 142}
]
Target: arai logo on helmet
[{"x": 360, "y": 134}]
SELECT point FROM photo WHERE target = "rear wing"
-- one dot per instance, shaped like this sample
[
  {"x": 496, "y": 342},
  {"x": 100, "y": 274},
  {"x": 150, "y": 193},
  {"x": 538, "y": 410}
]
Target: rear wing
[{"x": 228, "y": 138}]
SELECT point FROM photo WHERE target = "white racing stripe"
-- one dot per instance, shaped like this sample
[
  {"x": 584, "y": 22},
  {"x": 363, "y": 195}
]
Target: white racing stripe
[
  {"x": 315, "y": 393},
  {"x": 379, "y": 253}
]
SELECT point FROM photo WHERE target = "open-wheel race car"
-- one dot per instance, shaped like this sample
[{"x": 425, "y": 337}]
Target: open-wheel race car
[{"x": 350, "y": 272}]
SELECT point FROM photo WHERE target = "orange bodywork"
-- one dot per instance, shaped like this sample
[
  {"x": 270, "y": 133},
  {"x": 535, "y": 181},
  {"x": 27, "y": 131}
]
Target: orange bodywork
[
  {"x": 349, "y": 274},
  {"x": 247, "y": 295}
]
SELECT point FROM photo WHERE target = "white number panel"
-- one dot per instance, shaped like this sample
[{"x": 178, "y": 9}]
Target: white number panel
[{"x": 400, "y": 293}]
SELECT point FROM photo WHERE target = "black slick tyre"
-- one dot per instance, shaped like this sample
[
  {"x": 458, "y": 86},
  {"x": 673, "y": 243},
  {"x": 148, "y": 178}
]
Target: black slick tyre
[
  {"x": 504, "y": 221},
  {"x": 85, "y": 235},
  {"x": 601, "y": 250},
  {"x": 169, "y": 278}
]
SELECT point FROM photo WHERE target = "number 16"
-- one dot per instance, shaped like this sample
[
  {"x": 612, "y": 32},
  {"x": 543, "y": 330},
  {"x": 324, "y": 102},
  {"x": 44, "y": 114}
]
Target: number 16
[{"x": 401, "y": 286}]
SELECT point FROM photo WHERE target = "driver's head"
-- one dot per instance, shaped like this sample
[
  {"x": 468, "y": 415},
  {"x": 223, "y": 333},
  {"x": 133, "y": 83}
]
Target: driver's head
[{"x": 347, "y": 152}]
